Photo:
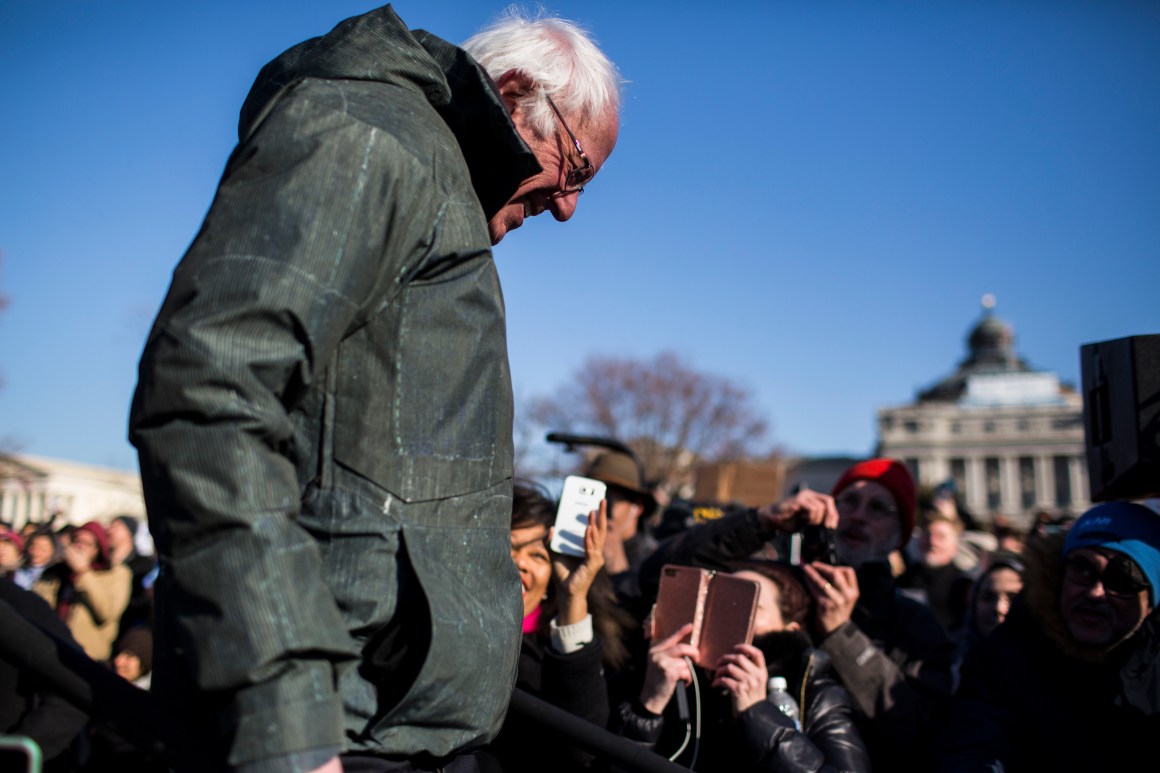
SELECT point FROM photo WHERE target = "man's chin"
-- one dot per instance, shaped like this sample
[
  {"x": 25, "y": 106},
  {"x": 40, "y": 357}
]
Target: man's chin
[
  {"x": 852, "y": 552},
  {"x": 504, "y": 222},
  {"x": 496, "y": 231}
]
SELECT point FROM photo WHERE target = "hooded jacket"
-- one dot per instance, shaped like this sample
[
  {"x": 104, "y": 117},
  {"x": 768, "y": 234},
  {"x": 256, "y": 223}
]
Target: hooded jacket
[
  {"x": 324, "y": 408},
  {"x": 1031, "y": 699}
]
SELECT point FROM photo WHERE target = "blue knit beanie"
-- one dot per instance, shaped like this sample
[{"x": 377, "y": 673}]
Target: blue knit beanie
[{"x": 1127, "y": 528}]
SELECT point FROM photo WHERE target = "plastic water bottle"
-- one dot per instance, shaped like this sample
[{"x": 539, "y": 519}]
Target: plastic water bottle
[{"x": 778, "y": 694}]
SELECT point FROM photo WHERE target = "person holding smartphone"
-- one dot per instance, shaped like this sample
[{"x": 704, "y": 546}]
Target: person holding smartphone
[
  {"x": 572, "y": 632},
  {"x": 742, "y": 730}
]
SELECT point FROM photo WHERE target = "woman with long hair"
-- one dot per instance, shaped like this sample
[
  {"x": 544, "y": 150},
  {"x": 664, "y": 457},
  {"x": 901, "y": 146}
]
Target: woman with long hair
[{"x": 572, "y": 632}]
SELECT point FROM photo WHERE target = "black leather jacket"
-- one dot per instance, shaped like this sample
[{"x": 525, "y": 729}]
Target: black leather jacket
[{"x": 761, "y": 738}]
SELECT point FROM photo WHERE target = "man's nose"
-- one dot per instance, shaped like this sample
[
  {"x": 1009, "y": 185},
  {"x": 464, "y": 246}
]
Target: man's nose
[
  {"x": 1098, "y": 590},
  {"x": 563, "y": 207},
  {"x": 857, "y": 515}
]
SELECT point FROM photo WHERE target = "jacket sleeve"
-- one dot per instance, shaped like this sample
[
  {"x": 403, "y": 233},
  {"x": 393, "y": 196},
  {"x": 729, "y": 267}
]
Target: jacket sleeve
[
  {"x": 769, "y": 742},
  {"x": 711, "y": 546},
  {"x": 828, "y": 743},
  {"x": 575, "y": 682},
  {"x": 638, "y": 724},
  {"x": 316, "y": 214},
  {"x": 832, "y": 727},
  {"x": 897, "y": 691}
]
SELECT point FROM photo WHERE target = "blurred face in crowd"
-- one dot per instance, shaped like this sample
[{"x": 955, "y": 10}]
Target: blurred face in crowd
[
  {"x": 623, "y": 513},
  {"x": 869, "y": 526},
  {"x": 940, "y": 543},
  {"x": 9, "y": 555},
  {"x": 120, "y": 537},
  {"x": 993, "y": 598},
  {"x": 39, "y": 550},
  {"x": 769, "y": 618},
  {"x": 87, "y": 542},
  {"x": 530, "y": 554},
  {"x": 127, "y": 665},
  {"x": 1104, "y": 597}
]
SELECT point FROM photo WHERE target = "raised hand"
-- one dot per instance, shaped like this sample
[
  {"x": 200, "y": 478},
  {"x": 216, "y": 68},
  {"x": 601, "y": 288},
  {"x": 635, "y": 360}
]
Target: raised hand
[
  {"x": 666, "y": 667},
  {"x": 805, "y": 508},
  {"x": 835, "y": 589},
  {"x": 574, "y": 576},
  {"x": 742, "y": 674}
]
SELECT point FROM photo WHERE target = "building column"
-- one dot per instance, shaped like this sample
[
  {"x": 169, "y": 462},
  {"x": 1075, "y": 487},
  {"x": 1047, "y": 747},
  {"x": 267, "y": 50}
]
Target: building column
[
  {"x": 1044, "y": 485},
  {"x": 1080, "y": 491},
  {"x": 976, "y": 493},
  {"x": 1009, "y": 503}
]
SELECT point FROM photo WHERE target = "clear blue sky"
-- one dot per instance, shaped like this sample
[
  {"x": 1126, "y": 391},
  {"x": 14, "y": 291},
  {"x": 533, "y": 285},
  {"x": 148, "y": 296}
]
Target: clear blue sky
[{"x": 807, "y": 197}]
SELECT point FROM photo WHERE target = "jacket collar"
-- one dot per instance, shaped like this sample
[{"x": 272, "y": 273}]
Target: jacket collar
[{"x": 497, "y": 157}]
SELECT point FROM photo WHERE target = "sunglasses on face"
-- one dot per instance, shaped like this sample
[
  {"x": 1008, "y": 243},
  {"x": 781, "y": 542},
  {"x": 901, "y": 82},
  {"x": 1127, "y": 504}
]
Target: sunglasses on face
[{"x": 1120, "y": 577}]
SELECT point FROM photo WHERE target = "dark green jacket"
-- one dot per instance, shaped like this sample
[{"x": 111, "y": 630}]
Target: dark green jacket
[{"x": 324, "y": 413}]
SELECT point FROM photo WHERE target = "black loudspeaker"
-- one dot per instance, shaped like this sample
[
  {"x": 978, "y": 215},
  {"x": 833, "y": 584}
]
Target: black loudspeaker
[{"x": 1121, "y": 412}]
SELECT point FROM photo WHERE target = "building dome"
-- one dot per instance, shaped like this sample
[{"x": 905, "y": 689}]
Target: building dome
[
  {"x": 990, "y": 350},
  {"x": 991, "y": 342}
]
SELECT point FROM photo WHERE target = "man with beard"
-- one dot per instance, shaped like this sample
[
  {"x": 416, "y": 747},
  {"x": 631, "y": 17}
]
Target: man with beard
[
  {"x": 889, "y": 651},
  {"x": 1071, "y": 679}
]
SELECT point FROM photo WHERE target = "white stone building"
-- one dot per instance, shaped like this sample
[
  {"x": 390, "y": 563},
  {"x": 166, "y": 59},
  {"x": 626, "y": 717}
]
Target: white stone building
[
  {"x": 1011, "y": 437},
  {"x": 34, "y": 489}
]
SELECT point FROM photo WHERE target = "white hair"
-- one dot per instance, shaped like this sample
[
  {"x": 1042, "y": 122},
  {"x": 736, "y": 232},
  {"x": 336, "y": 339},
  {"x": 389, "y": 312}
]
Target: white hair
[{"x": 559, "y": 56}]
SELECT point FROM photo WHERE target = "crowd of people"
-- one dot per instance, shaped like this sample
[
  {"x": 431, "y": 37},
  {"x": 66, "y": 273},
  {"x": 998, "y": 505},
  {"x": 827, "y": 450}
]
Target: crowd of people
[
  {"x": 90, "y": 586},
  {"x": 925, "y": 645}
]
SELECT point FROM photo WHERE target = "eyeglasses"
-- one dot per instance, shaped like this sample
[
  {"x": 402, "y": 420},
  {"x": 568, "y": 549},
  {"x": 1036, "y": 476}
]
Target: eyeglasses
[
  {"x": 578, "y": 176},
  {"x": 1119, "y": 578},
  {"x": 850, "y": 501}
]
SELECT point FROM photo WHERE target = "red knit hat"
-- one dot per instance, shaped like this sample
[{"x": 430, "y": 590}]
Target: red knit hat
[
  {"x": 11, "y": 536},
  {"x": 102, "y": 537},
  {"x": 892, "y": 474}
]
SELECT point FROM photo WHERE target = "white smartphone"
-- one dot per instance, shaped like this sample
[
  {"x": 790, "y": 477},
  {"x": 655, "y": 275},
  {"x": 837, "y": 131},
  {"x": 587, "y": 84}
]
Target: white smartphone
[{"x": 580, "y": 497}]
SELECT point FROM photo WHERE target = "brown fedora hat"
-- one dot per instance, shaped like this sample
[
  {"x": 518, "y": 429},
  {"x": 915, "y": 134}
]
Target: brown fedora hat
[{"x": 618, "y": 469}]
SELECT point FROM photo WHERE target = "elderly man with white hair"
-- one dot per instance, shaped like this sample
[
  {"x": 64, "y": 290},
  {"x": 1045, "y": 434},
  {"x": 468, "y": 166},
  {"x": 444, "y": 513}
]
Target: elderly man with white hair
[{"x": 324, "y": 407}]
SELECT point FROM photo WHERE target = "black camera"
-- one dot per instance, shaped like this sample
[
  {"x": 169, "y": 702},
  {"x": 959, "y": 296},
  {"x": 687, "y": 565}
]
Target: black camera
[
  {"x": 812, "y": 543},
  {"x": 820, "y": 544}
]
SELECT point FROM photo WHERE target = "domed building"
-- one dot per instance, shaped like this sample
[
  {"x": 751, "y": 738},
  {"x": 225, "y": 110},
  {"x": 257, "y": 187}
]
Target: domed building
[{"x": 1009, "y": 436}]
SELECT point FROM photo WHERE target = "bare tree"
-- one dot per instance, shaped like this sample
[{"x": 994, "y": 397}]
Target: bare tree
[{"x": 672, "y": 415}]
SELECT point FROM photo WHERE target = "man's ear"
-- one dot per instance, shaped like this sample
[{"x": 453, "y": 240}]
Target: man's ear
[
  {"x": 513, "y": 86},
  {"x": 793, "y": 626}
]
